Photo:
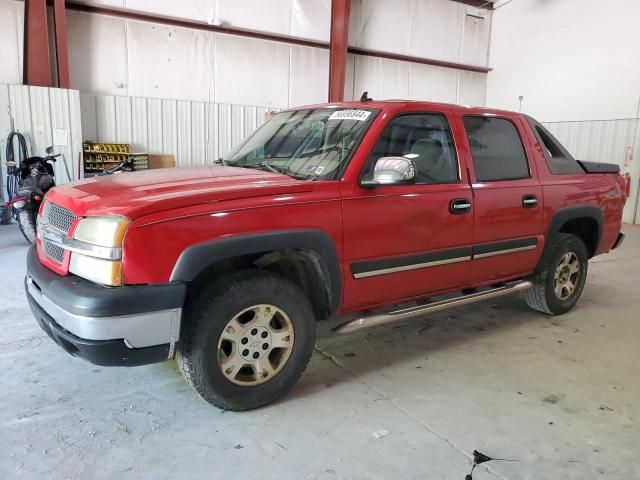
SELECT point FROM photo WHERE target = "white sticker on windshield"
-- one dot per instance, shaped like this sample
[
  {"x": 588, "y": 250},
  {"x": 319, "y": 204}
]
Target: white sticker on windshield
[{"x": 360, "y": 115}]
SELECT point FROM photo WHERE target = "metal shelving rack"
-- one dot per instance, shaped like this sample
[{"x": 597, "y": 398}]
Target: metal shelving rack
[{"x": 102, "y": 156}]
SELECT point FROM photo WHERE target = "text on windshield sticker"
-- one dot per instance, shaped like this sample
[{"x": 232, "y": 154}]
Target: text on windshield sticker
[{"x": 360, "y": 115}]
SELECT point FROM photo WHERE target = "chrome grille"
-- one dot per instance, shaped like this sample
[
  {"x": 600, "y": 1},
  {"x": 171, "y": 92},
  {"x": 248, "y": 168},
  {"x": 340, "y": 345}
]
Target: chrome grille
[
  {"x": 52, "y": 251},
  {"x": 57, "y": 217}
]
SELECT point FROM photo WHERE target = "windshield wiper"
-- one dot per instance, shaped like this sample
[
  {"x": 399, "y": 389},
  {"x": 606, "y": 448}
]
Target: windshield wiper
[
  {"x": 220, "y": 161},
  {"x": 272, "y": 168},
  {"x": 269, "y": 167}
]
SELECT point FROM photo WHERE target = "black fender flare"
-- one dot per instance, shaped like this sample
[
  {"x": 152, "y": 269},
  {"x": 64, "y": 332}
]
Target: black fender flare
[
  {"x": 563, "y": 215},
  {"x": 196, "y": 258}
]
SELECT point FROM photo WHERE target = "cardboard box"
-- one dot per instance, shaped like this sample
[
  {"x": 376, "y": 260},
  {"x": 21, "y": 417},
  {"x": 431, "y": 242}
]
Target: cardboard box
[{"x": 161, "y": 161}]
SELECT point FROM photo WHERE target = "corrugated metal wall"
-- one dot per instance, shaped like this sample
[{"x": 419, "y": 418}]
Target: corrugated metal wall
[
  {"x": 195, "y": 132},
  {"x": 36, "y": 112},
  {"x": 605, "y": 141}
]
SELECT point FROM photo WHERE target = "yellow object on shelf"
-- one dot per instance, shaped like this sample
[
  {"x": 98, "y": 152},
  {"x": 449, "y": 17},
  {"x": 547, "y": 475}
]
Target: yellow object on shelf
[{"x": 102, "y": 156}]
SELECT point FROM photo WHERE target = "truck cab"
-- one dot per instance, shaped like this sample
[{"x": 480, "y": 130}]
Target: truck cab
[{"x": 324, "y": 210}]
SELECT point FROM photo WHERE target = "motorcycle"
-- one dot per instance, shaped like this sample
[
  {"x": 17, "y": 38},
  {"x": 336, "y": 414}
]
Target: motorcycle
[{"x": 35, "y": 178}]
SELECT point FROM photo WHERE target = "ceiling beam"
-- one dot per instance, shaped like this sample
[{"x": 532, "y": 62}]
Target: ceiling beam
[
  {"x": 62, "y": 53},
  {"x": 338, "y": 44},
  {"x": 37, "y": 62}
]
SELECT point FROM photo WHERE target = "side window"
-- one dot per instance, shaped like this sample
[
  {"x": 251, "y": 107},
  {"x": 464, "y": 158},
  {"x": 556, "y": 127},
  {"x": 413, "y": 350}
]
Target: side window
[
  {"x": 496, "y": 148},
  {"x": 559, "y": 160},
  {"x": 424, "y": 138}
]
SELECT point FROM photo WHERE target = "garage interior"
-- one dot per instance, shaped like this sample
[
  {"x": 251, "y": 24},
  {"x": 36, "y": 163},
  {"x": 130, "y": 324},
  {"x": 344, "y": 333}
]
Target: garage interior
[{"x": 181, "y": 84}]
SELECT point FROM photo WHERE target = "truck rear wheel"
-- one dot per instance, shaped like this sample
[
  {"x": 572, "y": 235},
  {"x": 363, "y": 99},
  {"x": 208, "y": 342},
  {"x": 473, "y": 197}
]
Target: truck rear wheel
[
  {"x": 561, "y": 276},
  {"x": 248, "y": 338}
]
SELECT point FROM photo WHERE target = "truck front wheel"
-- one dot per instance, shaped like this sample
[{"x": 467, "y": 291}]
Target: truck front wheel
[
  {"x": 248, "y": 338},
  {"x": 561, "y": 276}
]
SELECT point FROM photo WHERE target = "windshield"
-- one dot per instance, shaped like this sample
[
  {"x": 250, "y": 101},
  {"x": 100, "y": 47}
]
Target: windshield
[{"x": 306, "y": 144}]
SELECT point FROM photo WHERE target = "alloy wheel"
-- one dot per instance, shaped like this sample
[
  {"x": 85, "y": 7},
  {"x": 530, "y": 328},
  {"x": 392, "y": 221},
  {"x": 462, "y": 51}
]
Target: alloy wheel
[
  {"x": 255, "y": 345},
  {"x": 566, "y": 276}
]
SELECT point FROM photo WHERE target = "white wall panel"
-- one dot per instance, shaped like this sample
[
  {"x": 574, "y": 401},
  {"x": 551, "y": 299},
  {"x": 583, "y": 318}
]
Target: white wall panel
[
  {"x": 139, "y": 121},
  {"x": 11, "y": 40},
  {"x": 311, "y": 19},
  {"x": 184, "y": 132},
  {"x": 198, "y": 133},
  {"x": 382, "y": 78},
  {"x": 89, "y": 116},
  {"x": 381, "y": 25},
  {"x": 270, "y": 16},
  {"x": 169, "y": 62},
  {"x": 169, "y": 128},
  {"x": 158, "y": 61},
  {"x": 199, "y": 10},
  {"x": 309, "y": 76},
  {"x": 123, "y": 120},
  {"x": 225, "y": 127},
  {"x": 251, "y": 72},
  {"x": 476, "y": 37},
  {"x": 472, "y": 88},
  {"x": 349, "y": 92},
  {"x": 74, "y": 160},
  {"x": 437, "y": 29},
  {"x": 64, "y": 110},
  {"x": 106, "y": 118},
  {"x": 154, "y": 126},
  {"x": 433, "y": 84},
  {"x": 41, "y": 133},
  {"x": 35, "y": 112},
  {"x": 392, "y": 79},
  {"x": 97, "y": 53},
  {"x": 212, "y": 132},
  {"x": 20, "y": 104}
]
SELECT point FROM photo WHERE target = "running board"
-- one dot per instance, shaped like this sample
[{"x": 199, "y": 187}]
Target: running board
[{"x": 405, "y": 313}]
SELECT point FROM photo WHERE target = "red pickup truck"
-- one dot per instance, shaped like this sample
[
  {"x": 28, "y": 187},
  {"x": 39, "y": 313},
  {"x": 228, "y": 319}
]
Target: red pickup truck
[{"x": 323, "y": 210}]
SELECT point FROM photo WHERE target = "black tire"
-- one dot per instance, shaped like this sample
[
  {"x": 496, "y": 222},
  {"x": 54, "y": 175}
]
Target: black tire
[
  {"x": 27, "y": 224},
  {"x": 542, "y": 296},
  {"x": 206, "y": 316}
]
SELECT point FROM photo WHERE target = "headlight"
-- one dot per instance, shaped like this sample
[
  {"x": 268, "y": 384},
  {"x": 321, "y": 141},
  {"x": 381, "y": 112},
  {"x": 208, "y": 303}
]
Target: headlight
[
  {"x": 96, "y": 255},
  {"x": 103, "y": 231}
]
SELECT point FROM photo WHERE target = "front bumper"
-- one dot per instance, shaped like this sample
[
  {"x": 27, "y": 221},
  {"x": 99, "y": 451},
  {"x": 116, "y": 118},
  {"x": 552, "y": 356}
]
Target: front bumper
[{"x": 125, "y": 326}]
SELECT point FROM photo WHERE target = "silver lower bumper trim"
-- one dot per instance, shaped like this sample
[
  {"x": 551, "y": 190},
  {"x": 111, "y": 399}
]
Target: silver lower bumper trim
[{"x": 140, "y": 330}]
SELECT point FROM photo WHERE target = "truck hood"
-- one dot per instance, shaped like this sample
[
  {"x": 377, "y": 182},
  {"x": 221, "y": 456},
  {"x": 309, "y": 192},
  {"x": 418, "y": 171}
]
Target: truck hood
[{"x": 141, "y": 193}]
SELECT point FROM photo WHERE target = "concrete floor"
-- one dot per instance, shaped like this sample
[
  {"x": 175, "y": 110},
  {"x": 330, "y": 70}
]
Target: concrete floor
[{"x": 560, "y": 396}]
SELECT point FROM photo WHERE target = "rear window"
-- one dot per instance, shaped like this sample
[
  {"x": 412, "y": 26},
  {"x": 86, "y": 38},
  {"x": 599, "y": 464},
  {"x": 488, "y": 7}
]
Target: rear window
[
  {"x": 496, "y": 148},
  {"x": 558, "y": 159}
]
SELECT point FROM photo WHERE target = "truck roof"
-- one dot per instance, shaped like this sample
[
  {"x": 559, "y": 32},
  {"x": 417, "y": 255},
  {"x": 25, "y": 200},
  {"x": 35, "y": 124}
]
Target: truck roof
[{"x": 383, "y": 104}]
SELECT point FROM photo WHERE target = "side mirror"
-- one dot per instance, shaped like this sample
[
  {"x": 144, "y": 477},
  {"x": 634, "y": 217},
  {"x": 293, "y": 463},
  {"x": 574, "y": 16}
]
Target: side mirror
[
  {"x": 391, "y": 171},
  {"x": 49, "y": 150}
]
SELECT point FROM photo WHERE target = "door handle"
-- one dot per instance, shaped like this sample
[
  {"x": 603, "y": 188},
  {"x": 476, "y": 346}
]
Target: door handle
[
  {"x": 529, "y": 201},
  {"x": 459, "y": 206}
]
